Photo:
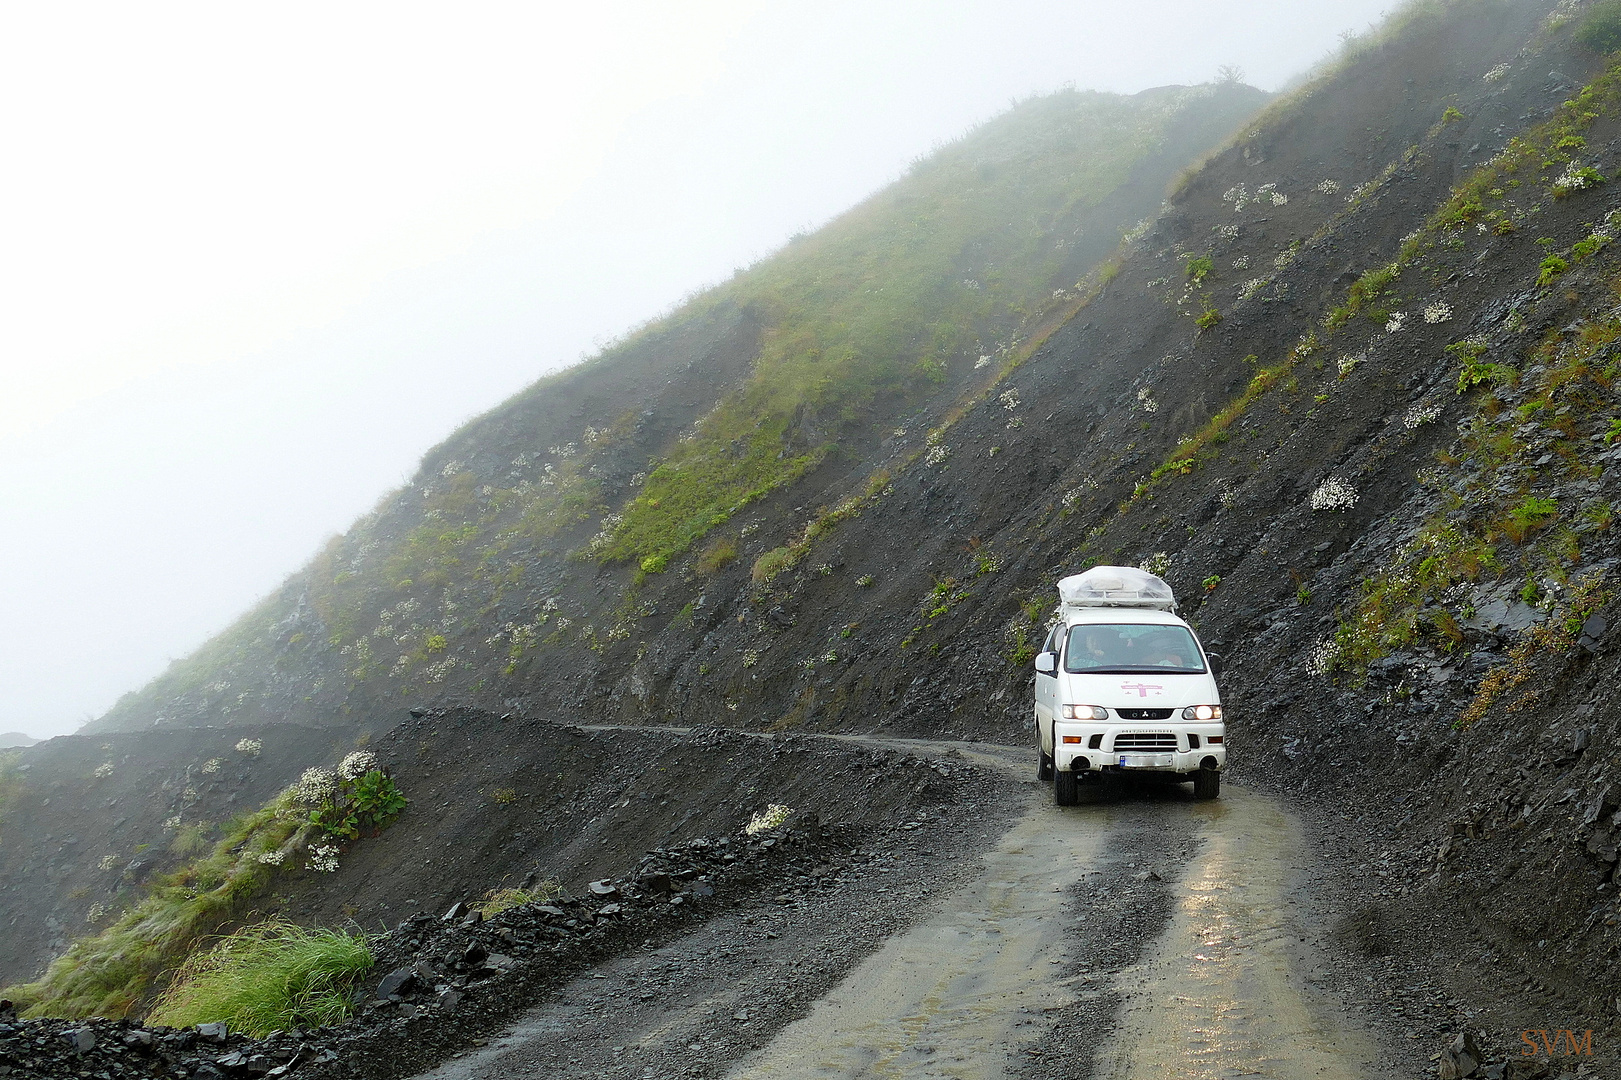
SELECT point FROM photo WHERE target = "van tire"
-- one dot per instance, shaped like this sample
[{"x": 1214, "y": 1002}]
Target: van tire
[
  {"x": 1044, "y": 760},
  {"x": 1066, "y": 788},
  {"x": 1206, "y": 784}
]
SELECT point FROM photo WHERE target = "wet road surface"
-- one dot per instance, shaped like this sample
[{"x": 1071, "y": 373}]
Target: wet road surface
[{"x": 959, "y": 968}]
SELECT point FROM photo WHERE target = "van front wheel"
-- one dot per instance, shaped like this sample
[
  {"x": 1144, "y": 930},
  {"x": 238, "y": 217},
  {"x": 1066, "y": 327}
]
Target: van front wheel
[
  {"x": 1066, "y": 788},
  {"x": 1206, "y": 784}
]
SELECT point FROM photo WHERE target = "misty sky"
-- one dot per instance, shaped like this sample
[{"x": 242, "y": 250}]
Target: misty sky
[{"x": 257, "y": 259}]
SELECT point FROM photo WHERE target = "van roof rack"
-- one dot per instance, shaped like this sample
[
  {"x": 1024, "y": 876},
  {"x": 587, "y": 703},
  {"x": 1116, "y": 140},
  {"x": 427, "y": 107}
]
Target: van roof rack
[{"x": 1116, "y": 586}]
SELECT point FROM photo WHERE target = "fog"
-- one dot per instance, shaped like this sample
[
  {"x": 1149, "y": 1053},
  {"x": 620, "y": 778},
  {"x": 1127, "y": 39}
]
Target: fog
[{"x": 256, "y": 261}]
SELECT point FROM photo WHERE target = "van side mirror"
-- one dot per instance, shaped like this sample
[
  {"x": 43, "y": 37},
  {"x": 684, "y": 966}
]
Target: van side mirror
[
  {"x": 1216, "y": 665},
  {"x": 1046, "y": 663}
]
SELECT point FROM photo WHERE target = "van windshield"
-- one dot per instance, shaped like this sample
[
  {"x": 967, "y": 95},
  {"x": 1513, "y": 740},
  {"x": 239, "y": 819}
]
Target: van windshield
[{"x": 1127, "y": 648}]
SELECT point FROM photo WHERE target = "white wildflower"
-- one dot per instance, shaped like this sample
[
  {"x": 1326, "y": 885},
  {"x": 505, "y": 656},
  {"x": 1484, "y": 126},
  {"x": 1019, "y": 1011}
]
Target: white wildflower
[
  {"x": 1329, "y": 187},
  {"x": 1241, "y": 263},
  {"x": 1157, "y": 564},
  {"x": 1009, "y": 399},
  {"x": 1226, "y": 232},
  {"x": 1334, "y": 494},
  {"x": 1279, "y": 198},
  {"x": 769, "y": 818},
  {"x": 1497, "y": 73},
  {"x": 1250, "y": 288},
  {"x": 1421, "y": 413},
  {"x": 323, "y": 858},
  {"x": 1348, "y": 362},
  {"x": 104, "y": 771},
  {"x": 315, "y": 786},
  {"x": 750, "y": 657},
  {"x": 250, "y": 747},
  {"x": 1396, "y": 322},
  {"x": 272, "y": 858},
  {"x": 1145, "y": 400},
  {"x": 172, "y": 823},
  {"x": 97, "y": 910},
  {"x": 451, "y": 469},
  {"x": 1438, "y": 312},
  {"x": 211, "y": 766},
  {"x": 1323, "y": 656},
  {"x": 109, "y": 861},
  {"x": 357, "y": 764},
  {"x": 970, "y": 283},
  {"x": 1574, "y": 178},
  {"x": 983, "y": 361},
  {"x": 1238, "y": 196},
  {"x": 936, "y": 454}
]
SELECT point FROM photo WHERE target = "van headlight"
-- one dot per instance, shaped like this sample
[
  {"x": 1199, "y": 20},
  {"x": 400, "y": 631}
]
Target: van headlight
[
  {"x": 1085, "y": 712},
  {"x": 1202, "y": 712}
]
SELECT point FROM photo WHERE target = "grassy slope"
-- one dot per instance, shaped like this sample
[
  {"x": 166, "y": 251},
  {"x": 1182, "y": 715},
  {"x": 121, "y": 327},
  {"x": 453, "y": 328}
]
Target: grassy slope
[{"x": 874, "y": 314}]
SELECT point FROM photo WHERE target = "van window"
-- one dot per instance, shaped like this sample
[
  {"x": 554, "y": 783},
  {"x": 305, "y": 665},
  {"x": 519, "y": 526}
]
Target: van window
[{"x": 1125, "y": 648}]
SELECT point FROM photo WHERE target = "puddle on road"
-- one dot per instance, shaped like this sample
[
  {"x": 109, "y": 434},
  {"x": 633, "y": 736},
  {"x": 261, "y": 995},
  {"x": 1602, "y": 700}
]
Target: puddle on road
[
  {"x": 935, "y": 1001},
  {"x": 1222, "y": 992}
]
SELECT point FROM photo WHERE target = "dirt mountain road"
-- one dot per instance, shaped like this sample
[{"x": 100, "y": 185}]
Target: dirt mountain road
[{"x": 1147, "y": 937}]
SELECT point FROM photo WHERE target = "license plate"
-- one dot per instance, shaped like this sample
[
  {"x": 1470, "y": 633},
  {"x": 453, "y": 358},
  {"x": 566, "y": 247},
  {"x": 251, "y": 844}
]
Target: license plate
[{"x": 1145, "y": 761}]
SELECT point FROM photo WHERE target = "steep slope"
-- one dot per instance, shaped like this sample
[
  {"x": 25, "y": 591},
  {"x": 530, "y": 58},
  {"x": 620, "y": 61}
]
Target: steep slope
[
  {"x": 514, "y": 564},
  {"x": 1352, "y": 391}
]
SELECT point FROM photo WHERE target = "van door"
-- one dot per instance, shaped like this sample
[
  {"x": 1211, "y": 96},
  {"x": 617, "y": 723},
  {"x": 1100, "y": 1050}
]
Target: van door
[{"x": 1047, "y": 690}]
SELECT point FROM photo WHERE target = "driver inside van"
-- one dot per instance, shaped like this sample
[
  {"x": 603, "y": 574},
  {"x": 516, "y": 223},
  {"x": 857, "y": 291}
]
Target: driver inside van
[{"x": 1094, "y": 647}]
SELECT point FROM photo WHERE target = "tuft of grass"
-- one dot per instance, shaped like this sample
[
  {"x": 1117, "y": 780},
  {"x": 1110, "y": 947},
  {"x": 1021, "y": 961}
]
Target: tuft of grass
[
  {"x": 504, "y": 899},
  {"x": 716, "y": 555},
  {"x": 1526, "y": 517},
  {"x": 275, "y": 976}
]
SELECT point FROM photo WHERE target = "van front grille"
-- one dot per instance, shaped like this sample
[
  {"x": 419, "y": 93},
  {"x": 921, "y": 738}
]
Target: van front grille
[
  {"x": 1144, "y": 714},
  {"x": 1160, "y": 741}
]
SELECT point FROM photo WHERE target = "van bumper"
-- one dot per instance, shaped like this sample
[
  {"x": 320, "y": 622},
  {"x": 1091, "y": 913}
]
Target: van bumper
[{"x": 1082, "y": 757}]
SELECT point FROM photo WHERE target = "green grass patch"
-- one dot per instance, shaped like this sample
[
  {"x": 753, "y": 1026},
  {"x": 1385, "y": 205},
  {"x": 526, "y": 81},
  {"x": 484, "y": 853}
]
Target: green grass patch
[
  {"x": 274, "y": 976},
  {"x": 1399, "y": 604}
]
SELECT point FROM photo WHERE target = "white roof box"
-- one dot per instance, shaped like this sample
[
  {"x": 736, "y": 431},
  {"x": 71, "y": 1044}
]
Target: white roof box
[{"x": 1116, "y": 586}]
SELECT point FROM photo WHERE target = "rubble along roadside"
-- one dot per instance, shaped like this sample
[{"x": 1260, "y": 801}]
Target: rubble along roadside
[{"x": 441, "y": 983}]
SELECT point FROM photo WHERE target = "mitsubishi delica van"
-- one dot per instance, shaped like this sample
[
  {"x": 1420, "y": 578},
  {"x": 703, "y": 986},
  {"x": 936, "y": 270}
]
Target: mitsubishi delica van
[{"x": 1123, "y": 686}]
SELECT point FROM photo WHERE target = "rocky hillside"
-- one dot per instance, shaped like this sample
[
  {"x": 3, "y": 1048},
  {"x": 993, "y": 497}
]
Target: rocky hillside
[
  {"x": 1352, "y": 390},
  {"x": 545, "y": 549}
]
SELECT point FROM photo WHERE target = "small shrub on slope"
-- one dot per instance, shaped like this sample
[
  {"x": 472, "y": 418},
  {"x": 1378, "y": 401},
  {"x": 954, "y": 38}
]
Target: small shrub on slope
[{"x": 1601, "y": 30}]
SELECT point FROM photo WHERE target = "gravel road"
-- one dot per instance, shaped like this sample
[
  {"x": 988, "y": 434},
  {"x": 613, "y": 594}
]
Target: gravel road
[{"x": 1150, "y": 936}]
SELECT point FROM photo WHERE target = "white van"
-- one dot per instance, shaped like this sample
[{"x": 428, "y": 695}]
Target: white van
[{"x": 1123, "y": 686}]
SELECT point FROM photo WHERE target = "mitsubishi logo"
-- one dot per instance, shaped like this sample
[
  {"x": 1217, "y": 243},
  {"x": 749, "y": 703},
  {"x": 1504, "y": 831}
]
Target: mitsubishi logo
[{"x": 1142, "y": 688}]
